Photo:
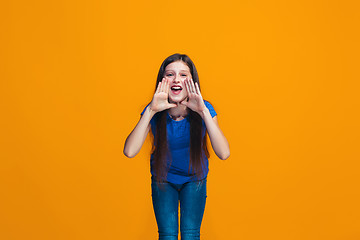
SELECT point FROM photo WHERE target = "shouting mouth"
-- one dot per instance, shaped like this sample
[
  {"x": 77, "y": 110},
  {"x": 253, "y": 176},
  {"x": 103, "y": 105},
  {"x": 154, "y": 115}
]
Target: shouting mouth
[{"x": 176, "y": 89}]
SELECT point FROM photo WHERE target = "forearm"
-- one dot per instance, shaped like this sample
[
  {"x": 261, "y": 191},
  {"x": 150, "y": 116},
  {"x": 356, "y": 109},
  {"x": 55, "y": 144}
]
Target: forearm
[
  {"x": 137, "y": 137},
  {"x": 218, "y": 141}
]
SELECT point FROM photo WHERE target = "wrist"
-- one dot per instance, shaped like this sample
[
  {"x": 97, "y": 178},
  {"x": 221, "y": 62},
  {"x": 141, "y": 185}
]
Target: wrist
[
  {"x": 151, "y": 111},
  {"x": 204, "y": 112}
]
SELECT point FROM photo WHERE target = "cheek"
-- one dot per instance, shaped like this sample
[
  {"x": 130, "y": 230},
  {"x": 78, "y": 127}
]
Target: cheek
[{"x": 171, "y": 78}]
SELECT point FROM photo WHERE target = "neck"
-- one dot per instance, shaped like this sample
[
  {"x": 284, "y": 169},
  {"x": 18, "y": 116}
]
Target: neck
[{"x": 179, "y": 111}]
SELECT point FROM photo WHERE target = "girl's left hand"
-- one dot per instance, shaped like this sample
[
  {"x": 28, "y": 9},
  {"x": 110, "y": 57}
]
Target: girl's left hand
[{"x": 195, "y": 101}]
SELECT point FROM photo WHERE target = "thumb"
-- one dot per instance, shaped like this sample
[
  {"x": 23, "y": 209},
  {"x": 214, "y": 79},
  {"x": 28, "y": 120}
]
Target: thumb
[
  {"x": 184, "y": 102},
  {"x": 171, "y": 105}
]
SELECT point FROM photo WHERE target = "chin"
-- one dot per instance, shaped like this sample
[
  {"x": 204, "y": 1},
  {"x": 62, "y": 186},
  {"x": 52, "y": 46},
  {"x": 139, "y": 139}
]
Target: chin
[{"x": 177, "y": 99}]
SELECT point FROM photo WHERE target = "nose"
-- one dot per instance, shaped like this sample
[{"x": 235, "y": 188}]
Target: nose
[{"x": 176, "y": 79}]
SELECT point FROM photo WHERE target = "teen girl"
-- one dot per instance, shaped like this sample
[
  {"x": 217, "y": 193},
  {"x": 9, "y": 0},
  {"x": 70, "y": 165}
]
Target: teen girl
[{"x": 179, "y": 120}]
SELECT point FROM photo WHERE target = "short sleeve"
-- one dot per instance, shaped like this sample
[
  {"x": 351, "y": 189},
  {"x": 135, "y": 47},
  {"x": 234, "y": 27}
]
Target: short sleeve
[{"x": 211, "y": 108}]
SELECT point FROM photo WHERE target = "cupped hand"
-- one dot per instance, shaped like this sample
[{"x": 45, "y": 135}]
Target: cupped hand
[
  {"x": 160, "y": 100},
  {"x": 195, "y": 101}
]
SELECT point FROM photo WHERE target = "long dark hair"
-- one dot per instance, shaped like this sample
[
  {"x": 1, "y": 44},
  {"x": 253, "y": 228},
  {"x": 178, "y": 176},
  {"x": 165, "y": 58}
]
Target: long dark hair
[{"x": 198, "y": 144}]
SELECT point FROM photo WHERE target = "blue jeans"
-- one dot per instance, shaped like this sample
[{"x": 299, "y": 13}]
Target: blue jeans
[{"x": 166, "y": 197}]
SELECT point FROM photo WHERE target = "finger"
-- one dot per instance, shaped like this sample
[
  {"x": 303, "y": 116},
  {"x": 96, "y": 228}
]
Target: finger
[
  {"x": 167, "y": 87},
  {"x": 187, "y": 87},
  {"x": 171, "y": 105},
  {"x": 192, "y": 86},
  {"x": 184, "y": 103},
  {"x": 163, "y": 85},
  {"x": 158, "y": 87},
  {"x": 197, "y": 88}
]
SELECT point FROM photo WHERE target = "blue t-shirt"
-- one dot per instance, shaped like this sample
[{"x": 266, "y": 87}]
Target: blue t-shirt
[{"x": 178, "y": 134}]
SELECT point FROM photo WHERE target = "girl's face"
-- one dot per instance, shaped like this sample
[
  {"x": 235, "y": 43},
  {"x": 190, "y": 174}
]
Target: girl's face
[{"x": 177, "y": 72}]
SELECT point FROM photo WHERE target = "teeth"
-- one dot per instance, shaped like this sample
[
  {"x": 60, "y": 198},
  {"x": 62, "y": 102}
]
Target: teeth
[{"x": 176, "y": 88}]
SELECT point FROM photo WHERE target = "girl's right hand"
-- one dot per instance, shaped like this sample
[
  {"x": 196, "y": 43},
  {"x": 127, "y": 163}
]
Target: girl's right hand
[{"x": 160, "y": 100}]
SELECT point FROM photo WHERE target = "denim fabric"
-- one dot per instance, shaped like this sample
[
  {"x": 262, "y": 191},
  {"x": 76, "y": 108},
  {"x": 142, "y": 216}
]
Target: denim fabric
[{"x": 166, "y": 197}]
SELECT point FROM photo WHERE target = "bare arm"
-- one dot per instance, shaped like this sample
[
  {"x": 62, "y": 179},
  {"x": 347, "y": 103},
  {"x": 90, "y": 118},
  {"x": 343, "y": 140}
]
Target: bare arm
[
  {"x": 218, "y": 141},
  {"x": 196, "y": 103},
  {"x": 137, "y": 137}
]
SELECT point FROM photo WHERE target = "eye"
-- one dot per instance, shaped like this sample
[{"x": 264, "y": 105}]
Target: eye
[{"x": 169, "y": 74}]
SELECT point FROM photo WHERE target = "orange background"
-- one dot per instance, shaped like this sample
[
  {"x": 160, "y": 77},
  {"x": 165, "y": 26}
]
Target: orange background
[{"x": 282, "y": 75}]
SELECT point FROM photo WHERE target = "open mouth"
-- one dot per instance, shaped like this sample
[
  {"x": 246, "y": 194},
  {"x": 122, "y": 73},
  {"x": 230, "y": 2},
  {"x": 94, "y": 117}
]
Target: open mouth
[{"x": 176, "y": 89}]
